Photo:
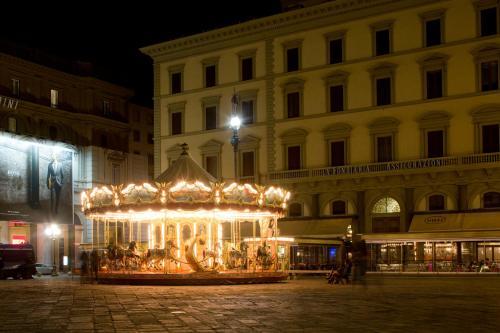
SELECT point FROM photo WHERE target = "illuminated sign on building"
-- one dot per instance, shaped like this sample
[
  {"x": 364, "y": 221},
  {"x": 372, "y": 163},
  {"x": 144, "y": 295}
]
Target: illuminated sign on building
[{"x": 8, "y": 103}]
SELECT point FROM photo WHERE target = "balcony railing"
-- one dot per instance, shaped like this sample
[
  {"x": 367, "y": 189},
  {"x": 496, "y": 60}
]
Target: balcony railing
[{"x": 388, "y": 167}]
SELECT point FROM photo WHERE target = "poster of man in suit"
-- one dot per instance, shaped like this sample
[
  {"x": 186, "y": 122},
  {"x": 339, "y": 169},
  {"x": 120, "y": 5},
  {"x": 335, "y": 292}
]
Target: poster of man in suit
[
  {"x": 36, "y": 181},
  {"x": 55, "y": 178}
]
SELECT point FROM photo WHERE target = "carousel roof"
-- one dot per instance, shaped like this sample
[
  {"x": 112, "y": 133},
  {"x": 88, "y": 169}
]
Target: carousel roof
[
  {"x": 187, "y": 169},
  {"x": 185, "y": 189}
]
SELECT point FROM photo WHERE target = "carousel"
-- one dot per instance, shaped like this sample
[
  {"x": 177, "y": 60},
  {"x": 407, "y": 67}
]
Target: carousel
[{"x": 187, "y": 228}]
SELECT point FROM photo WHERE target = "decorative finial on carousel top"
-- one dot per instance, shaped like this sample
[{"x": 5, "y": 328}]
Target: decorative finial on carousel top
[{"x": 185, "y": 149}]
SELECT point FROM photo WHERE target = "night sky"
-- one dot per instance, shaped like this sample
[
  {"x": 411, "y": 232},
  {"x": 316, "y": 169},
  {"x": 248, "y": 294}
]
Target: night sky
[{"x": 109, "y": 38}]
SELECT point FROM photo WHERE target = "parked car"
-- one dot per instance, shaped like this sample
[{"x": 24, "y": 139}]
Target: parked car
[
  {"x": 17, "y": 261},
  {"x": 43, "y": 269}
]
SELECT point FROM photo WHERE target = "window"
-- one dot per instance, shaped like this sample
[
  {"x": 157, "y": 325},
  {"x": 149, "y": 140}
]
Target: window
[
  {"x": 294, "y": 157},
  {"x": 293, "y": 94},
  {"x": 292, "y": 59},
  {"x": 176, "y": 83},
  {"x": 247, "y": 164},
  {"x": 137, "y": 136},
  {"x": 212, "y": 165},
  {"x": 488, "y": 21},
  {"x": 248, "y": 102},
  {"x": 382, "y": 42},
  {"x": 106, "y": 107},
  {"x": 382, "y": 37},
  {"x": 210, "y": 106},
  {"x": 337, "y": 153},
  {"x": 337, "y": 141},
  {"x": 150, "y": 159},
  {"x": 176, "y": 118},
  {"x": 491, "y": 200},
  {"x": 54, "y": 98},
  {"x": 383, "y": 90},
  {"x": 384, "y": 149},
  {"x": 246, "y": 69},
  {"x": 490, "y": 138},
  {"x": 436, "y": 202},
  {"x": 12, "y": 124},
  {"x": 336, "y": 51},
  {"x": 489, "y": 75},
  {"x": 293, "y": 104},
  {"x": 292, "y": 55},
  {"x": 15, "y": 87},
  {"x": 247, "y": 113},
  {"x": 210, "y": 117},
  {"x": 295, "y": 209},
  {"x": 433, "y": 32},
  {"x": 150, "y": 138},
  {"x": 435, "y": 144},
  {"x": 386, "y": 205},
  {"x": 336, "y": 91},
  {"x": 210, "y": 76},
  {"x": 434, "y": 82},
  {"x": 383, "y": 83},
  {"x": 339, "y": 207},
  {"x": 336, "y": 98}
]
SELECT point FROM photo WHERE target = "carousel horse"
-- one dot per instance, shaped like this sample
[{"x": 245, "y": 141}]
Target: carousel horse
[
  {"x": 115, "y": 256},
  {"x": 264, "y": 256},
  {"x": 238, "y": 258},
  {"x": 132, "y": 258},
  {"x": 154, "y": 258}
]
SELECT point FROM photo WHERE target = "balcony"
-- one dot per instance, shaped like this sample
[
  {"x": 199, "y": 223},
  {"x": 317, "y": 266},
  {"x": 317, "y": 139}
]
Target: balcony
[{"x": 423, "y": 165}]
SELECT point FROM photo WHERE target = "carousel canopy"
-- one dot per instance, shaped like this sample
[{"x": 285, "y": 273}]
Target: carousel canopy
[
  {"x": 187, "y": 169},
  {"x": 185, "y": 190}
]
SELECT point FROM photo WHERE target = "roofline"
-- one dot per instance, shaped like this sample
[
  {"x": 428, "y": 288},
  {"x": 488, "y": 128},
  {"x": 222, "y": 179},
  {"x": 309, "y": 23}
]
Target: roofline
[{"x": 325, "y": 14}]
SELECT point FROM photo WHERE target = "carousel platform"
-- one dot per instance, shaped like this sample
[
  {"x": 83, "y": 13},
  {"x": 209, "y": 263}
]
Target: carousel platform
[{"x": 177, "y": 279}]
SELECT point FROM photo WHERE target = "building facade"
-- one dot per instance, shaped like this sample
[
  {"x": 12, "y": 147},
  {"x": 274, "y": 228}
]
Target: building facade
[
  {"x": 382, "y": 115},
  {"x": 61, "y": 133}
]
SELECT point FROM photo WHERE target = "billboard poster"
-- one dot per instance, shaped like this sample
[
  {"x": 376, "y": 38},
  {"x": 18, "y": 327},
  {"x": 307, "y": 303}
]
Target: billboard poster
[{"x": 36, "y": 181}]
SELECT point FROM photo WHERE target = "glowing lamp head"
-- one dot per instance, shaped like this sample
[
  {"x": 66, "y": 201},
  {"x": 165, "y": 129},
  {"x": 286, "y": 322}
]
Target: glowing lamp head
[
  {"x": 235, "y": 123},
  {"x": 53, "y": 231}
]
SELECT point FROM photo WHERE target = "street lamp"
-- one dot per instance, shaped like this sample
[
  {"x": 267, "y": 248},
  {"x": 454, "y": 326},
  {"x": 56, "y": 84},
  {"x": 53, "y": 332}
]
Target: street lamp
[
  {"x": 235, "y": 124},
  {"x": 53, "y": 231}
]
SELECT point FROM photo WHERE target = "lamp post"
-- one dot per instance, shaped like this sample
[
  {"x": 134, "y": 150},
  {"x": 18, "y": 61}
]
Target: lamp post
[
  {"x": 53, "y": 231},
  {"x": 235, "y": 125}
]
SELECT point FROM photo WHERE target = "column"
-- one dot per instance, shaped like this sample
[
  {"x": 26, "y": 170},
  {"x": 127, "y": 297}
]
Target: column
[
  {"x": 360, "y": 226},
  {"x": 409, "y": 208},
  {"x": 462, "y": 197},
  {"x": 315, "y": 213}
]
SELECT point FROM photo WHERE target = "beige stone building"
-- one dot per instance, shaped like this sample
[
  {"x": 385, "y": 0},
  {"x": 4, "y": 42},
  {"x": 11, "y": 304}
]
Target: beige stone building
[
  {"x": 383, "y": 115},
  {"x": 49, "y": 110}
]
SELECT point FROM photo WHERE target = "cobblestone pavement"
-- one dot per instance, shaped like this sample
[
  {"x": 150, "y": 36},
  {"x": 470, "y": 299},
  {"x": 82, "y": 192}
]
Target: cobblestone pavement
[{"x": 311, "y": 305}]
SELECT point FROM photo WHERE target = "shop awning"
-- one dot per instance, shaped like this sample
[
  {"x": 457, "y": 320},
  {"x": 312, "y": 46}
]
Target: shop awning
[
  {"x": 480, "y": 221},
  {"x": 456, "y": 236},
  {"x": 436, "y": 222},
  {"x": 317, "y": 228}
]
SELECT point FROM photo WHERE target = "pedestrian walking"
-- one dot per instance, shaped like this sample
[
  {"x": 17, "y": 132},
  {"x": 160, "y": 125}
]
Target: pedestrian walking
[
  {"x": 95, "y": 264},
  {"x": 84, "y": 269}
]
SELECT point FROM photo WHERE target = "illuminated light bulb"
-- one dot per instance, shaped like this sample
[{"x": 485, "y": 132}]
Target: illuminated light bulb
[{"x": 235, "y": 122}]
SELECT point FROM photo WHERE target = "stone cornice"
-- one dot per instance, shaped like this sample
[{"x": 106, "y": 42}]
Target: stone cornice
[{"x": 329, "y": 13}]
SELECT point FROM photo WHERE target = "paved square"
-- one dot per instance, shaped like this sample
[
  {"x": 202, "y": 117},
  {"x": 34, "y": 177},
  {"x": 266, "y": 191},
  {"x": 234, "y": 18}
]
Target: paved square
[{"x": 420, "y": 304}]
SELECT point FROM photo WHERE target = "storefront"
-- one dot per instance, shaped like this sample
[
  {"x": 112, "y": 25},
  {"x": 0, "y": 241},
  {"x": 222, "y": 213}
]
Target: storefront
[
  {"x": 315, "y": 241},
  {"x": 439, "y": 243}
]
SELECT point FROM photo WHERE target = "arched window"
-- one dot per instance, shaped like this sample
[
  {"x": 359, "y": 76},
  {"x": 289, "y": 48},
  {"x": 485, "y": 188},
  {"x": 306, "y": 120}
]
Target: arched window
[
  {"x": 386, "y": 205},
  {"x": 491, "y": 200},
  {"x": 339, "y": 207},
  {"x": 295, "y": 209},
  {"x": 436, "y": 202}
]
